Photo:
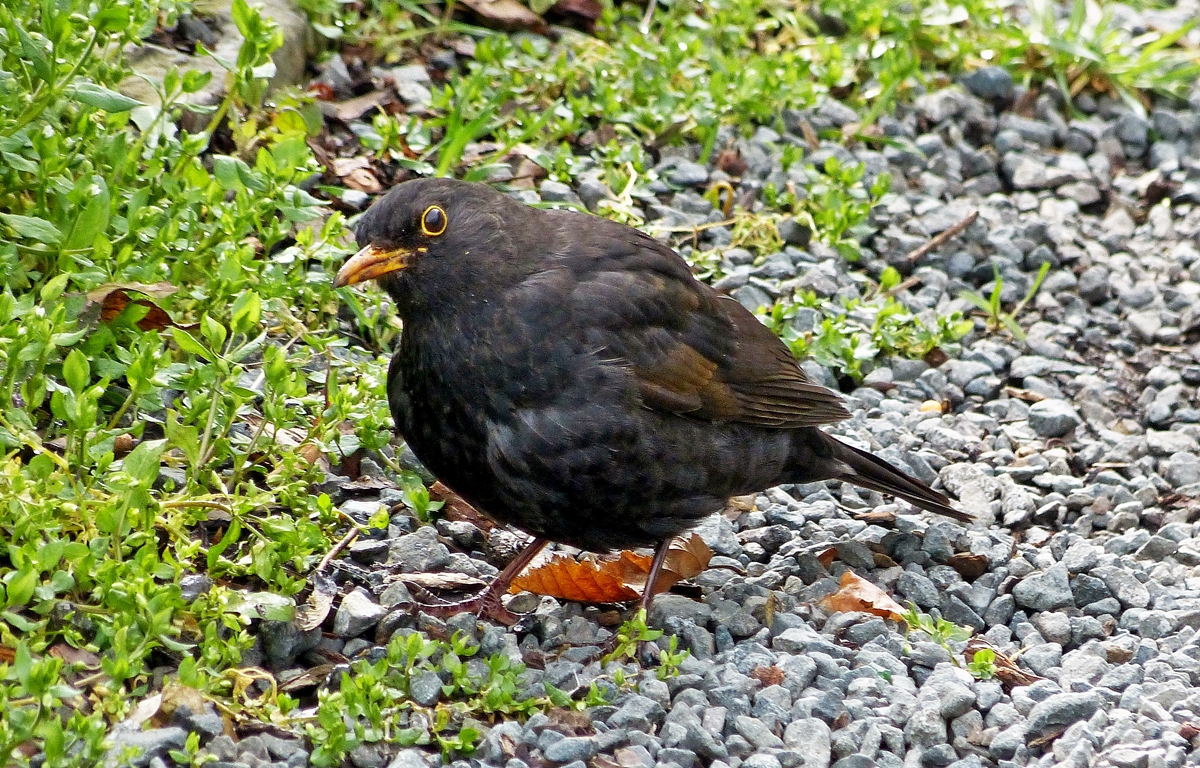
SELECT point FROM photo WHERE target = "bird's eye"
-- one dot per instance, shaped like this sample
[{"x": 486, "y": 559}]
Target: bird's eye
[{"x": 433, "y": 221}]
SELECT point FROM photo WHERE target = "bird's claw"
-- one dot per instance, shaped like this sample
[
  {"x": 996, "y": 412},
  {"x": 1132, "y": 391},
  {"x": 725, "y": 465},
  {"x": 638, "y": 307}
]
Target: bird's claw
[{"x": 485, "y": 605}]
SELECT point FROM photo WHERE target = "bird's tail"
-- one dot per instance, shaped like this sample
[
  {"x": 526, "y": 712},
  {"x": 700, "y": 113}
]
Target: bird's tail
[{"x": 875, "y": 474}]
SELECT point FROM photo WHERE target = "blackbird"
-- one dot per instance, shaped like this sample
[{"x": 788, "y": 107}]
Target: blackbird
[{"x": 568, "y": 375}]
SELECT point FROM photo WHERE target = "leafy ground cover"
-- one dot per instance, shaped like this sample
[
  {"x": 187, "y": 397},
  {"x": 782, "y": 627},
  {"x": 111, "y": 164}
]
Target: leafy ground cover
[{"x": 178, "y": 376}]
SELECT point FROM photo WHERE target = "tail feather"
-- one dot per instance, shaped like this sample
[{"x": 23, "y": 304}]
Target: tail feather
[{"x": 875, "y": 474}]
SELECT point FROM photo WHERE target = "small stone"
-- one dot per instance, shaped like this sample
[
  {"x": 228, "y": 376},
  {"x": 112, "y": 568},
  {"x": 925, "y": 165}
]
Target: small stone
[
  {"x": 757, "y": 733},
  {"x": 1124, "y": 586},
  {"x": 557, "y": 192},
  {"x": 1059, "y": 711},
  {"x": 1168, "y": 443},
  {"x": 415, "y": 758},
  {"x": 811, "y": 738},
  {"x": 357, "y": 613},
  {"x": 991, "y": 83},
  {"x": 687, "y": 174},
  {"x": 638, "y": 713},
  {"x": 426, "y": 688},
  {"x": 1047, "y": 590},
  {"x": 419, "y": 552},
  {"x": 154, "y": 743},
  {"x": 572, "y": 748},
  {"x": 1053, "y": 418}
]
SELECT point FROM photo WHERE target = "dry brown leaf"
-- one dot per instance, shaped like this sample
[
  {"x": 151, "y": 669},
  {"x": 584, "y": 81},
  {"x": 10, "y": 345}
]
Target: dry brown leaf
[
  {"x": 969, "y": 566},
  {"x": 610, "y": 580},
  {"x": 883, "y": 518},
  {"x": 353, "y": 109},
  {"x": 363, "y": 180},
  {"x": 309, "y": 678},
  {"x": 506, "y": 15},
  {"x": 582, "y": 581},
  {"x": 174, "y": 696},
  {"x": 737, "y": 506},
  {"x": 344, "y": 166},
  {"x": 316, "y": 608},
  {"x": 113, "y": 298},
  {"x": 826, "y": 556},
  {"x": 1007, "y": 672},
  {"x": 67, "y": 653},
  {"x": 768, "y": 676},
  {"x": 857, "y": 594},
  {"x": 583, "y": 12}
]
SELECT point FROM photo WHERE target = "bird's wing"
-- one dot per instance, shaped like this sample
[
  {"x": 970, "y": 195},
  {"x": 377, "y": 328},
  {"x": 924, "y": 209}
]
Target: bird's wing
[{"x": 691, "y": 350}]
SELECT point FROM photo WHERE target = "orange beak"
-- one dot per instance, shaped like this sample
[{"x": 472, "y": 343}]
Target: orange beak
[{"x": 372, "y": 263}]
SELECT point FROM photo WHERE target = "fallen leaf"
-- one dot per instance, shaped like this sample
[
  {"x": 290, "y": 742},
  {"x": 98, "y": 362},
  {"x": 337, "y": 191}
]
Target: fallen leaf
[
  {"x": 768, "y": 676},
  {"x": 570, "y": 722},
  {"x": 1007, "y": 672},
  {"x": 826, "y": 556},
  {"x": 145, "y": 709},
  {"x": 883, "y": 517},
  {"x": 309, "y": 678},
  {"x": 175, "y": 696},
  {"x": 114, "y": 298},
  {"x": 737, "y": 506},
  {"x": 316, "y": 608},
  {"x": 936, "y": 357},
  {"x": 580, "y": 13},
  {"x": 67, "y": 653},
  {"x": 506, "y": 15},
  {"x": 363, "y": 180},
  {"x": 730, "y": 161},
  {"x": 344, "y": 166},
  {"x": 969, "y": 566},
  {"x": 582, "y": 581},
  {"x": 610, "y": 580},
  {"x": 857, "y": 594},
  {"x": 353, "y": 109}
]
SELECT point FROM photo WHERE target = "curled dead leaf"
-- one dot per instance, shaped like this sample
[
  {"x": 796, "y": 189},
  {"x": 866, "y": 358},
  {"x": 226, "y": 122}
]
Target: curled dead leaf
[
  {"x": 363, "y": 180},
  {"x": 1007, "y": 672},
  {"x": 969, "y": 566},
  {"x": 506, "y": 15},
  {"x": 610, "y": 580},
  {"x": 826, "y": 556},
  {"x": 316, "y": 608},
  {"x": 115, "y": 298},
  {"x": 857, "y": 594}
]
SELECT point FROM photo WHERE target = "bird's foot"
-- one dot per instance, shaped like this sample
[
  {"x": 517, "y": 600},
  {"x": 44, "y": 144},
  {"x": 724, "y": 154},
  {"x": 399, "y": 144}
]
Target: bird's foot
[{"x": 485, "y": 605}]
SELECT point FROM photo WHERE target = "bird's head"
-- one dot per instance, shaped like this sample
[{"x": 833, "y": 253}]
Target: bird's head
[{"x": 431, "y": 241}]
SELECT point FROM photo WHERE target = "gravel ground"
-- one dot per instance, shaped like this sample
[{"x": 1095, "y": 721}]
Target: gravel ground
[{"x": 1077, "y": 450}]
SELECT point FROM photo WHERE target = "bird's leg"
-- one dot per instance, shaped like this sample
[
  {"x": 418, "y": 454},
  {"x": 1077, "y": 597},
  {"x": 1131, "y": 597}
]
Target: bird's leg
[
  {"x": 487, "y": 604},
  {"x": 656, "y": 566}
]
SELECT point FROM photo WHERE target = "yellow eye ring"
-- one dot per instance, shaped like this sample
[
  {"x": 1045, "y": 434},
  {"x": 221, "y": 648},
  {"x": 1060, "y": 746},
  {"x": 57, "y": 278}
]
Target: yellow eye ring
[{"x": 434, "y": 221}]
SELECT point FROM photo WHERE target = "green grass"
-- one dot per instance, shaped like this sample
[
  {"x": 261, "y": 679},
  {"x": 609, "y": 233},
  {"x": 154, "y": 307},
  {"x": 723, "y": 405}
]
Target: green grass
[{"x": 136, "y": 451}]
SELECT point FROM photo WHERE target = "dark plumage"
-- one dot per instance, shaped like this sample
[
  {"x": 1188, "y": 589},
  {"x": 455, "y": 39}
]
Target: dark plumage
[{"x": 567, "y": 374}]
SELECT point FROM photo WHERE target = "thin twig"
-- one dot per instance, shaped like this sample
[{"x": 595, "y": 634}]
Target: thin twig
[
  {"x": 904, "y": 286},
  {"x": 644, "y": 27},
  {"x": 345, "y": 542},
  {"x": 940, "y": 239}
]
